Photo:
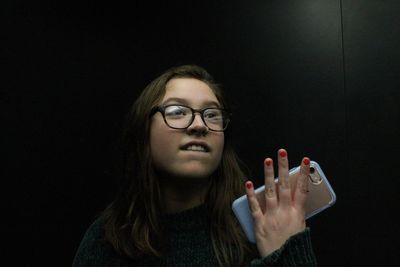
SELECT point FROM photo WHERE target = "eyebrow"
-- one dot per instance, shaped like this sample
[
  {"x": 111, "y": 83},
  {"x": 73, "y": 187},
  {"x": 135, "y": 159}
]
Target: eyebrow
[{"x": 185, "y": 102}]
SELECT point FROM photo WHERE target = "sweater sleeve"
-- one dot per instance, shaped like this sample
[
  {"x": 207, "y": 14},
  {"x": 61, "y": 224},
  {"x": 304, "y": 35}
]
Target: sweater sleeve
[
  {"x": 92, "y": 250},
  {"x": 86, "y": 252},
  {"x": 297, "y": 251}
]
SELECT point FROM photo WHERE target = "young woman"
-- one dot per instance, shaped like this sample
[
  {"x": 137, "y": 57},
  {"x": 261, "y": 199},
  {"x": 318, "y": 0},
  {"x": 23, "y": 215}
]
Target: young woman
[{"x": 180, "y": 177}]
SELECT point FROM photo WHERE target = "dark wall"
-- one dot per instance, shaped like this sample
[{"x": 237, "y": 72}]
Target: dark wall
[
  {"x": 372, "y": 62},
  {"x": 319, "y": 78}
]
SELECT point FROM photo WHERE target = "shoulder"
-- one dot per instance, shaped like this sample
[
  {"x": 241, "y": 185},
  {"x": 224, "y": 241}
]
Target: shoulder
[
  {"x": 95, "y": 250},
  {"x": 93, "y": 245},
  {"x": 94, "y": 234}
]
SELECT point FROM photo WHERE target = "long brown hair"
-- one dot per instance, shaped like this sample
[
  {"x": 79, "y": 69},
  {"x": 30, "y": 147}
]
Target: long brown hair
[{"x": 132, "y": 219}]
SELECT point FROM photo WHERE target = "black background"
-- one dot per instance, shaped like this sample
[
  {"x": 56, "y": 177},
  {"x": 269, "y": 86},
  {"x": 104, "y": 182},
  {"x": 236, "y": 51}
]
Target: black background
[{"x": 319, "y": 78}]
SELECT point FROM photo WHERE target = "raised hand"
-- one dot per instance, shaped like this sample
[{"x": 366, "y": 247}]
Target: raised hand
[{"x": 280, "y": 213}]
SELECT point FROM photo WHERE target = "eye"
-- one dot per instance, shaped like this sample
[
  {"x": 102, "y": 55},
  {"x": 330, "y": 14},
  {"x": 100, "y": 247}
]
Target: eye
[
  {"x": 213, "y": 115},
  {"x": 176, "y": 111}
]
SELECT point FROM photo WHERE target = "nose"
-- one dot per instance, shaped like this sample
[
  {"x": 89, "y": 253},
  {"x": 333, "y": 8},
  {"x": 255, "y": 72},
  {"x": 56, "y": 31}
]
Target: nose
[{"x": 197, "y": 126}]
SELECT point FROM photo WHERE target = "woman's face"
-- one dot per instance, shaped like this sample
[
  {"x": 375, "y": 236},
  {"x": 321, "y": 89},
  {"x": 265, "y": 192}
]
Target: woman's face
[{"x": 174, "y": 151}]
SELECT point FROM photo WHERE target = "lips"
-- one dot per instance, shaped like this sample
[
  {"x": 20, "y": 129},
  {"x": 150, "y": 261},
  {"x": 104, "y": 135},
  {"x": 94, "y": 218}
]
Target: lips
[{"x": 196, "y": 146}]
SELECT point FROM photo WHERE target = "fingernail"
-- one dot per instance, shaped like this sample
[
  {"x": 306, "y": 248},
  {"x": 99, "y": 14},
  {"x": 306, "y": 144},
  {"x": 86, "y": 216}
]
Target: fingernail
[
  {"x": 306, "y": 161},
  {"x": 249, "y": 185},
  {"x": 282, "y": 153},
  {"x": 268, "y": 162}
]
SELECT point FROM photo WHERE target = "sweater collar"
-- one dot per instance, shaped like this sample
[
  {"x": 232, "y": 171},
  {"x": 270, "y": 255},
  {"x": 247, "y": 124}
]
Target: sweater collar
[{"x": 187, "y": 220}]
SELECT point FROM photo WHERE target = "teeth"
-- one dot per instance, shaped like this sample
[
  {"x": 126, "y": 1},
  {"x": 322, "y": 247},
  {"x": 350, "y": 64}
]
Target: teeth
[{"x": 196, "y": 148}]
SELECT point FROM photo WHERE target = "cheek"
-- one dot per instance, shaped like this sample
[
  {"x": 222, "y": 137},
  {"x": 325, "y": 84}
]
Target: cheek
[
  {"x": 220, "y": 146},
  {"x": 161, "y": 144}
]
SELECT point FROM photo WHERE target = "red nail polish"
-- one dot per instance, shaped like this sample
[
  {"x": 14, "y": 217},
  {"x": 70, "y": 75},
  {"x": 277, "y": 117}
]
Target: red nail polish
[
  {"x": 306, "y": 161},
  {"x": 282, "y": 153},
  {"x": 249, "y": 184},
  {"x": 268, "y": 162}
]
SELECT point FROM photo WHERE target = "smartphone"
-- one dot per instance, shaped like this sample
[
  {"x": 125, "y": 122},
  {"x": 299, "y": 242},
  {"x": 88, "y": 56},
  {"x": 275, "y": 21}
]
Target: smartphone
[{"x": 321, "y": 196}]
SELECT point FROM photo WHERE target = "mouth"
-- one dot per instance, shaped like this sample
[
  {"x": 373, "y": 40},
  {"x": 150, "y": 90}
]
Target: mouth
[{"x": 197, "y": 147}]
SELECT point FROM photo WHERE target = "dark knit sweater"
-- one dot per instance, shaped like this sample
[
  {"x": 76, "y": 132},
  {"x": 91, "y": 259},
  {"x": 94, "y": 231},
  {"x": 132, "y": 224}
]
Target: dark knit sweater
[{"x": 190, "y": 245}]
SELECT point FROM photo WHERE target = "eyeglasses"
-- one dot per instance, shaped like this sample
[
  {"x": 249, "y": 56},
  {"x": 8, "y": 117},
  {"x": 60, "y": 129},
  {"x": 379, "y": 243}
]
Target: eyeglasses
[{"x": 181, "y": 117}]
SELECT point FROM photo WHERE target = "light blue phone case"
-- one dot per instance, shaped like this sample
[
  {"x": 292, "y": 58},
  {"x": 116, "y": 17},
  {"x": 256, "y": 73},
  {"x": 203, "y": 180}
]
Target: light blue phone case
[{"x": 241, "y": 209}]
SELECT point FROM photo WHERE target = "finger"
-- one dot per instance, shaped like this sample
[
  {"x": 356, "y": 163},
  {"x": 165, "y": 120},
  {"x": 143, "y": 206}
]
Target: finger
[
  {"x": 270, "y": 187},
  {"x": 284, "y": 183},
  {"x": 302, "y": 189},
  {"x": 254, "y": 206},
  {"x": 283, "y": 170}
]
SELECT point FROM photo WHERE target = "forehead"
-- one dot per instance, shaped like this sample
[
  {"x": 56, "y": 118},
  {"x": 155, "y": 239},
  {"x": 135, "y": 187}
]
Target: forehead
[{"x": 189, "y": 91}]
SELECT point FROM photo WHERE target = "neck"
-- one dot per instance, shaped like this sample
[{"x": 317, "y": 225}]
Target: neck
[{"x": 182, "y": 194}]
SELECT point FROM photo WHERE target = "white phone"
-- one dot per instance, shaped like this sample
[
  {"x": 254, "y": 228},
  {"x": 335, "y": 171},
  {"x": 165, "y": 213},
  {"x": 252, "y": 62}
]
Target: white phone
[{"x": 321, "y": 196}]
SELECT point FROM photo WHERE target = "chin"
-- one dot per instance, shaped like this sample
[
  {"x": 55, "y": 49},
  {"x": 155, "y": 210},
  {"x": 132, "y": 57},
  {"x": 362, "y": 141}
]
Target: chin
[
  {"x": 188, "y": 170},
  {"x": 194, "y": 172}
]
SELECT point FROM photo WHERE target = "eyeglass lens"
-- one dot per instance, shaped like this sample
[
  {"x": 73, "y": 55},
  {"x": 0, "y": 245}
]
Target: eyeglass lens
[{"x": 181, "y": 117}]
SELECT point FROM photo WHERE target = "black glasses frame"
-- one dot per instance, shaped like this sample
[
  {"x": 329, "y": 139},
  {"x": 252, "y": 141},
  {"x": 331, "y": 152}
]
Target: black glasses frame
[{"x": 161, "y": 109}]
